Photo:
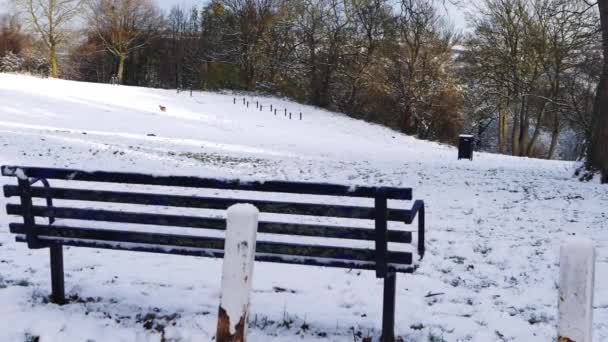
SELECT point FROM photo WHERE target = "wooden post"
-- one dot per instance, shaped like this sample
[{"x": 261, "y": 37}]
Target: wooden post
[
  {"x": 261, "y": 107},
  {"x": 247, "y": 104},
  {"x": 243, "y": 100},
  {"x": 237, "y": 272},
  {"x": 289, "y": 115},
  {"x": 576, "y": 281},
  {"x": 271, "y": 107},
  {"x": 285, "y": 111},
  {"x": 275, "y": 111},
  {"x": 300, "y": 116},
  {"x": 57, "y": 278},
  {"x": 234, "y": 101},
  {"x": 390, "y": 279},
  {"x": 388, "y": 308}
]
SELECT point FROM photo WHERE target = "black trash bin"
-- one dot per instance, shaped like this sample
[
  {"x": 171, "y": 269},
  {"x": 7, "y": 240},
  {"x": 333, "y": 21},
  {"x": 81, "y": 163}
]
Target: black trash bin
[{"x": 465, "y": 147}]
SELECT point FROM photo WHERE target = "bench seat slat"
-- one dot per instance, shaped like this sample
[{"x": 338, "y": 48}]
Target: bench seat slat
[
  {"x": 311, "y": 209},
  {"x": 216, "y": 223},
  {"x": 196, "y": 182},
  {"x": 212, "y": 243}
]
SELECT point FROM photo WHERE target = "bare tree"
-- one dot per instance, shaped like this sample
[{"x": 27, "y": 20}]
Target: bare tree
[
  {"x": 50, "y": 19},
  {"x": 123, "y": 26},
  {"x": 521, "y": 53},
  {"x": 418, "y": 71},
  {"x": 598, "y": 149},
  {"x": 252, "y": 20}
]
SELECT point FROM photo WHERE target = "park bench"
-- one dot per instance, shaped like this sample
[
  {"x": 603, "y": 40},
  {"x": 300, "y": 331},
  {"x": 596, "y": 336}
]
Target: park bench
[{"x": 76, "y": 186}]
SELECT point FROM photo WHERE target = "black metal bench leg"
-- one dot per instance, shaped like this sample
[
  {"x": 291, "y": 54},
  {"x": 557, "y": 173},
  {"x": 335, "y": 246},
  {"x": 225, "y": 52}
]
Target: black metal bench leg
[
  {"x": 388, "y": 308},
  {"x": 57, "y": 281}
]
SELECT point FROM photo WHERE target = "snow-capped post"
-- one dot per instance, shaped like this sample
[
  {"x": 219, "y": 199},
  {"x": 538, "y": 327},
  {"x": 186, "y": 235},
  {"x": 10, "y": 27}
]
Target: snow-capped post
[
  {"x": 575, "y": 302},
  {"x": 237, "y": 272}
]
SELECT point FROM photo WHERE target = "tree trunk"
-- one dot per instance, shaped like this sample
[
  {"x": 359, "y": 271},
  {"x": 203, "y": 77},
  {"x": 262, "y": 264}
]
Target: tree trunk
[
  {"x": 251, "y": 78},
  {"x": 53, "y": 61},
  {"x": 556, "y": 116},
  {"x": 598, "y": 151},
  {"x": 524, "y": 126},
  {"x": 121, "y": 68},
  {"x": 407, "y": 120},
  {"x": 515, "y": 136},
  {"x": 324, "y": 95},
  {"x": 554, "y": 136},
  {"x": 503, "y": 126},
  {"x": 537, "y": 129},
  {"x": 314, "y": 88}
]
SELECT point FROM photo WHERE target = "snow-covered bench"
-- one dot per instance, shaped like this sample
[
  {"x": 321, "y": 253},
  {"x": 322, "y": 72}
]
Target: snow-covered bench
[{"x": 289, "y": 217}]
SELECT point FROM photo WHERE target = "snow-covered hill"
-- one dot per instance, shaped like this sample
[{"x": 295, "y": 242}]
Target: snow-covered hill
[{"x": 494, "y": 224}]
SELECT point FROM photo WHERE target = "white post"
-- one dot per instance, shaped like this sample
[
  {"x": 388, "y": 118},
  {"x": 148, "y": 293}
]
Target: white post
[
  {"x": 237, "y": 272},
  {"x": 576, "y": 281}
]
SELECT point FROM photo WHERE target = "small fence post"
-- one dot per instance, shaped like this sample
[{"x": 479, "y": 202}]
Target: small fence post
[
  {"x": 247, "y": 104},
  {"x": 285, "y": 111},
  {"x": 275, "y": 111},
  {"x": 300, "y": 116},
  {"x": 237, "y": 272},
  {"x": 261, "y": 107},
  {"x": 243, "y": 100},
  {"x": 289, "y": 115},
  {"x": 576, "y": 281},
  {"x": 234, "y": 101},
  {"x": 271, "y": 107}
]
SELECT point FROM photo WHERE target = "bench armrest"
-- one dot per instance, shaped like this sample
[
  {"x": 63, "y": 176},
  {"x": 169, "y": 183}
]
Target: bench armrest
[{"x": 418, "y": 209}]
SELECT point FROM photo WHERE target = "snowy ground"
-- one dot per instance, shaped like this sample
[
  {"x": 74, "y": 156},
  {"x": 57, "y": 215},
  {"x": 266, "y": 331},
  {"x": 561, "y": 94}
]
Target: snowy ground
[{"x": 494, "y": 224}]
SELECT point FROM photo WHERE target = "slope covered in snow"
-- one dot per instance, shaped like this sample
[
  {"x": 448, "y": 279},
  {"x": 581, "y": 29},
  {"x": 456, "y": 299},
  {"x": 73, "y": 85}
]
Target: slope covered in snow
[{"x": 494, "y": 224}]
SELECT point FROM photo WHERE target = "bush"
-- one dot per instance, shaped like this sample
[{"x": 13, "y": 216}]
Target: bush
[{"x": 11, "y": 62}]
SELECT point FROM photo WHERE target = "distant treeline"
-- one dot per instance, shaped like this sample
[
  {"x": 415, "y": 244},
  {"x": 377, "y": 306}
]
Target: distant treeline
[{"x": 523, "y": 79}]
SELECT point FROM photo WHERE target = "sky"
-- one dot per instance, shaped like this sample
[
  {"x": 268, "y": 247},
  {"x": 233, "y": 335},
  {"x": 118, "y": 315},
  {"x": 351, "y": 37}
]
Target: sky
[
  {"x": 453, "y": 14},
  {"x": 166, "y": 4}
]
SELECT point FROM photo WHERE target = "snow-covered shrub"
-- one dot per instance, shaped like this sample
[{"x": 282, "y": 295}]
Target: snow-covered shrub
[
  {"x": 38, "y": 65},
  {"x": 11, "y": 62}
]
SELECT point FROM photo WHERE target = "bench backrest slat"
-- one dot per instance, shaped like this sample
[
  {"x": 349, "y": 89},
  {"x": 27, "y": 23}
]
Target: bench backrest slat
[
  {"x": 290, "y": 208},
  {"x": 212, "y": 243},
  {"x": 216, "y": 223},
  {"x": 136, "y": 247}
]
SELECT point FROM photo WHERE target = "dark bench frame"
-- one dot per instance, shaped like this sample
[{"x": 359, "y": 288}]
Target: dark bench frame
[{"x": 385, "y": 262}]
